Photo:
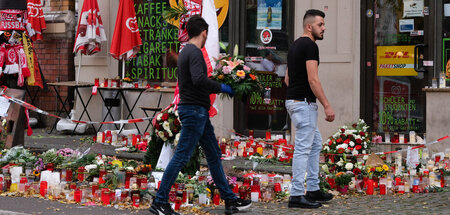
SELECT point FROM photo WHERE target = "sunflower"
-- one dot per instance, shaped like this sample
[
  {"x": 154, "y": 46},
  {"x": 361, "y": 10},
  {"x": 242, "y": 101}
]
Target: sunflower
[
  {"x": 36, "y": 173},
  {"x": 117, "y": 163},
  {"x": 379, "y": 169},
  {"x": 385, "y": 167},
  {"x": 240, "y": 73}
]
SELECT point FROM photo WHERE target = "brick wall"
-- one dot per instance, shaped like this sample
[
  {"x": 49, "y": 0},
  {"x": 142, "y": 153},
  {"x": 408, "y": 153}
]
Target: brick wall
[
  {"x": 56, "y": 60},
  {"x": 60, "y": 5}
]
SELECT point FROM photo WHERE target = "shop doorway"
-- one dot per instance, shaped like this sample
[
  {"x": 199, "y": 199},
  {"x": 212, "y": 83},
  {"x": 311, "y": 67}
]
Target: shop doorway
[{"x": 398, "y": 61}]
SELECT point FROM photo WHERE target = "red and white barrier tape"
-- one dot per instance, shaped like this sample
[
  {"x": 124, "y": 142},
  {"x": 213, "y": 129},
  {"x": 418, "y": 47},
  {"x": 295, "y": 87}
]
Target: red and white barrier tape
[
  {"x": 37, "y": 110},
  {"x": 378, "y": 153}
]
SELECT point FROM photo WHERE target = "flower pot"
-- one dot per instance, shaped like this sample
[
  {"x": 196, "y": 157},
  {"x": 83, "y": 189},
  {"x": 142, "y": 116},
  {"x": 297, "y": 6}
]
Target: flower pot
[{"x": 343, "y": 190}]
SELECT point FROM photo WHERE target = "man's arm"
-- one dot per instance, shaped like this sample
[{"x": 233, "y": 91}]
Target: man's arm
[
  {"x": 199, "y": 76},
  {"x": 312, "y": 67},
  {"x": 286, "y": 78}
]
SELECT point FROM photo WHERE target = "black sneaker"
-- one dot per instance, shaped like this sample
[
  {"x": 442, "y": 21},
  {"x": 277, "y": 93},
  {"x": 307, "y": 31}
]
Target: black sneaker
[
  {"x": 236, "y": 205},
  {"x": 162, "y": 209},
  {"x": 319, "y": 196},
  {"x": 302, "y": 202}
]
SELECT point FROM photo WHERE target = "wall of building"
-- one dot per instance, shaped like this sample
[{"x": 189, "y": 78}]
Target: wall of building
[{"x": 339, "y": 58}]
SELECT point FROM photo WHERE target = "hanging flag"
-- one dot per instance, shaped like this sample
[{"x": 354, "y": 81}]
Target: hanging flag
[
  {"x": 90, "y": 31},
  {"x": 126, "y": 40},
  {"x": 195, "y": 8},
  {"x": 36, "y": 21}
]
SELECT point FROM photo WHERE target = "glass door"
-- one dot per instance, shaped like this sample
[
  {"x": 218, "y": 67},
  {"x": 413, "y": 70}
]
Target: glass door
[{"x": 397, "y": 65}]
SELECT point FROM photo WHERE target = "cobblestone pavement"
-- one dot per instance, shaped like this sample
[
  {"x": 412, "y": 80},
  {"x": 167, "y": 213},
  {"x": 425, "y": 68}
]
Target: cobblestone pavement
[{"x": 431, "y": 203}]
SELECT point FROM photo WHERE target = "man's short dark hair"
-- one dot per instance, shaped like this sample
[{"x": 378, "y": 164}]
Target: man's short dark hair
[
  {"x": 196, "y": 24},
  {"x": 313, "y": 13}
]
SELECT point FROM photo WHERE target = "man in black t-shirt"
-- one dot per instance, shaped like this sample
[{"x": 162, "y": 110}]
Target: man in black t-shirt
[{"x": 304, "y": 88}]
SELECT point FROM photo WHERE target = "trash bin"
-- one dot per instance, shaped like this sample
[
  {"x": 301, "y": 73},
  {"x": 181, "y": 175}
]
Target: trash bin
[{"x": 114, "y": 104}]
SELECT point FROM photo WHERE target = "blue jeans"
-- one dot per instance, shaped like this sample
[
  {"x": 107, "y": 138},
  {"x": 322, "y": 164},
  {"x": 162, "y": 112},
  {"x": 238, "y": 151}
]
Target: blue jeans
[
  {"x": 308, "y": 144},
  {"x": 195, "y": 128}
]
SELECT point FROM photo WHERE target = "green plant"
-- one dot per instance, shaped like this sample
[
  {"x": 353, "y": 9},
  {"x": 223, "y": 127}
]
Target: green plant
[
  {"x": 174, "y": 13},
  {"x": 323, "y": 184},
  {"x": 343, "y": 179}
]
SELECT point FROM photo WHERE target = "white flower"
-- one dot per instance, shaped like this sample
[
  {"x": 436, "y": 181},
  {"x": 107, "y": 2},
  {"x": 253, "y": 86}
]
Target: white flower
[
  {"x": 365, "y": 157},
  {"x": 326, "y": 148},
  {"x": 170, "y": 133},
  {"x": 336, "y": 135},
  {"x": 130, "y": 168},
  {"x": 347, "y": 150},
  {"x": 177, "y": 137},
  {"x": 340, "y": 163},
  {"x": 361, "y": 121},
  {"x": 166, "y": 126},
  {"x": 347, "y": 132},
  {"x": 170, "y": 110},
  {"x": 90, "y": 166},
  {"x": 352, "y": 144},
  {"x": 176, "y": 113},
  {"x": 364, "y": 151},
  {"x": 344, "y": 146},
  {"x": 349, "y": 166},
  {"x": 354, "y": 152},
  {"x": 161, "y": 134},
  {"x": 325, "y": 168},
  {"x": 159, "y": 117}
]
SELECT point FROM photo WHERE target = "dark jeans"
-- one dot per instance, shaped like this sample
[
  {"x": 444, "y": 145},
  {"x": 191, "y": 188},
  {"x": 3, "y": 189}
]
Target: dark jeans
[{"x": 196, "y": 128}]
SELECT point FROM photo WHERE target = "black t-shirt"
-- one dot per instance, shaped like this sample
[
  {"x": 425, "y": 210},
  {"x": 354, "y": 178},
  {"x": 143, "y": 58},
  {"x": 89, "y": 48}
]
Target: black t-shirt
[
  {"x": 302, "y": 50},
  {"x": 193, "y": 81}
]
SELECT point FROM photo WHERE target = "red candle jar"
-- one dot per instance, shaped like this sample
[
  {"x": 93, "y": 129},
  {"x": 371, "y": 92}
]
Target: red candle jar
[
  {"x": 81, "y": 171},
  {"x": 50, "y": 167},
  {"x": 105, "y": 197},
  {"x": 101, "y": 175},
  {"x": 268, "y": 135},
  {"x": 97, "y": 82},
  {"x": 136, "y": 200},
  {"x": 172, "y": 194},
  {"x": 123, "y": 195},
  {"x": 382, "y": 189},
  {"x": 370, "y": 186},
  {"x": 178, "y": 203},
  {"x": 108, "y": 136},
  {"x": 251, "y": 133},
  {"x": 134, "y": 140},
  {"x": 43, "y": 188},
  {"x": 415, "y": 189},
  {"x": 136, "y": 85},
  {"x": 77, "y": 195},
  {"x": 94, "y": 190},
  {"x": 236, "y": 189},
  {"x": 73, "y": 186},
  {"x": 105, "y": 83},
  {"x": 216, "y": 198},
  {"x": 144, "y": 183},
  {"x": 243, "y": 192},
  {"x": 277, "y": 187}
]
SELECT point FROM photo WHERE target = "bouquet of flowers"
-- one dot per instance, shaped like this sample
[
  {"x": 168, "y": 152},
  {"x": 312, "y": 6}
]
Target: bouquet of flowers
[
  {"x": 232, "y": 71},
  {"x": 354, "y": 140},
  {"x": 341, "y": 148},
  {"x": 167, "y": 125}
]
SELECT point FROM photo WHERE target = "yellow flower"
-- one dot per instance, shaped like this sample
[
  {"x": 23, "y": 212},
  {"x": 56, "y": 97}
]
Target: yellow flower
[
  {"x": 379, "y": 169},
  {"x": 36, "y": 173},
  {"x": 117, "y": 163},
  {"x": 339, "y": 174},
  {"x": 220, "y": 77},
  {"x": 385, "y": 167},
  {"x": 368, "y": 169},
  {"x": 240, "y": 73}
]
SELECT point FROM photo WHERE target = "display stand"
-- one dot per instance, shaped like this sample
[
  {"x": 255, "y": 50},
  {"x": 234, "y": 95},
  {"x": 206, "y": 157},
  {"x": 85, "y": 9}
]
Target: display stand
[{"x": 15, "y": 120}]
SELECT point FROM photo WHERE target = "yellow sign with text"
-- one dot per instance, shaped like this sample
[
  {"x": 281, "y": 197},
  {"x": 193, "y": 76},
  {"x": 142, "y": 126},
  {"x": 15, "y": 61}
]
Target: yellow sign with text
[{"x": 395, "y": 61}]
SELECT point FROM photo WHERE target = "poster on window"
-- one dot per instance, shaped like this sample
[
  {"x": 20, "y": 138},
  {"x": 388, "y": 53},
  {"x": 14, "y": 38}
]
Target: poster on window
[
  {"x": 269, "y": 14},
  {"x": 395, "y": 61},
  {"x": 412, "y": 8}
]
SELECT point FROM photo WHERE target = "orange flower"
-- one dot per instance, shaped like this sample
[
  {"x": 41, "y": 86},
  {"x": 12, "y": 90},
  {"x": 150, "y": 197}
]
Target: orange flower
[
  {"x": 240, "y": 73},
  {"x": 220, "y": 77},
  {"x": 253, "y": 77},
  {"x": 339, "y": 174}
]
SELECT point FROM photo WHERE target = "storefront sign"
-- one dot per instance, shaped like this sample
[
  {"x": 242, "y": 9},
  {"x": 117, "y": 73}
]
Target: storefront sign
[
  {"x": 256, "y": 103},
  {"x": 406, "y": 25},
  {"x": 397, "y": 107},
  {"x": 269, "y": 14},
  {"x": 413, "y": 8},
  {"x": 395, "y": 61},
  {"x": 160, "y": 45},
  {"x": 266, "y": 36}
]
